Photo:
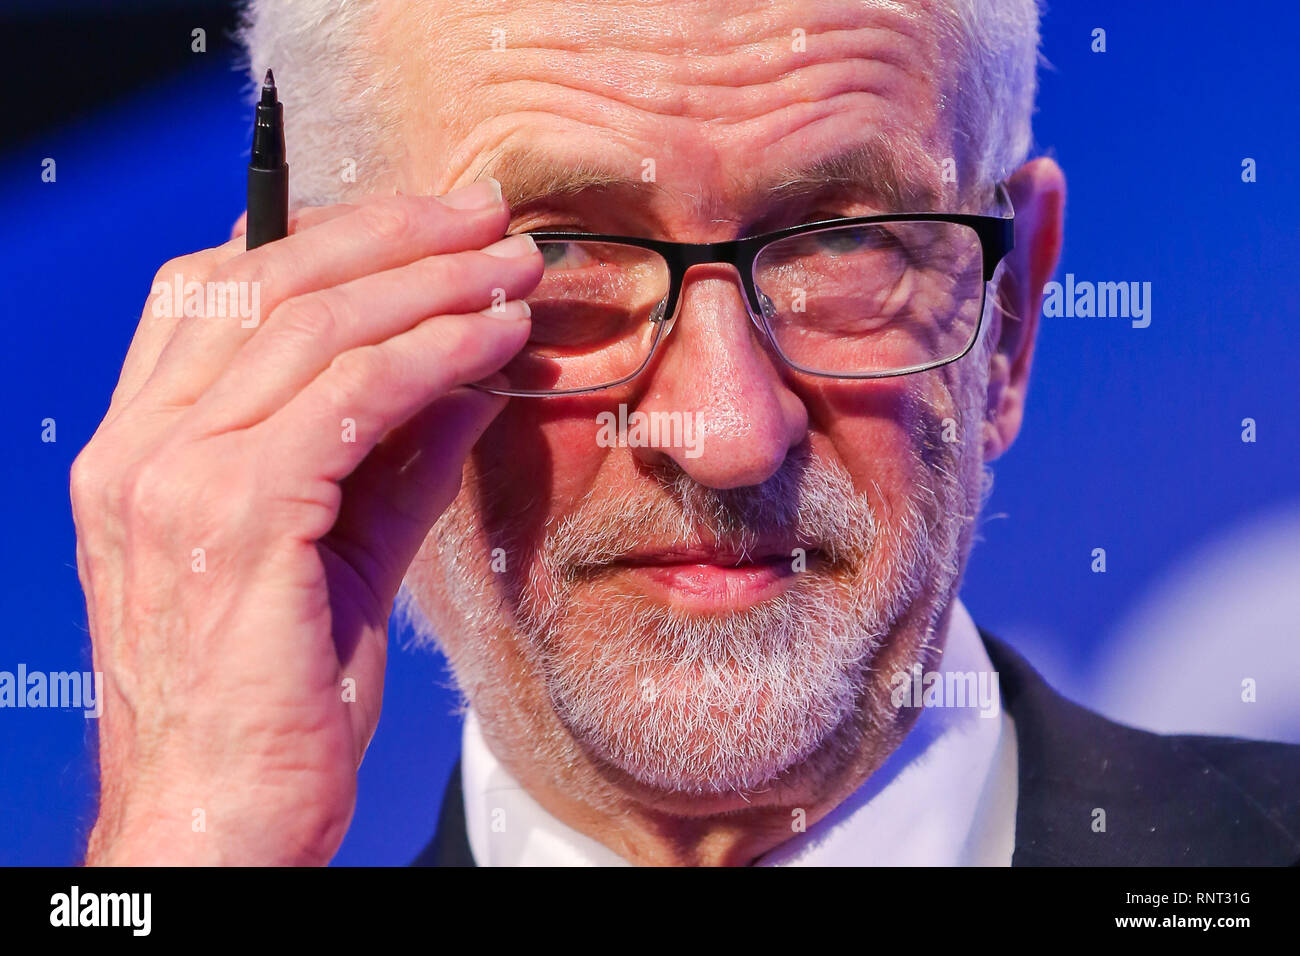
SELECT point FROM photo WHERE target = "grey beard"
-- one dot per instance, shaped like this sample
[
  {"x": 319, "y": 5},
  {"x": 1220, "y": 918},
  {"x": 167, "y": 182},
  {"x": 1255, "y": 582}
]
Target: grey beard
[{"x": 708, "y": 704}]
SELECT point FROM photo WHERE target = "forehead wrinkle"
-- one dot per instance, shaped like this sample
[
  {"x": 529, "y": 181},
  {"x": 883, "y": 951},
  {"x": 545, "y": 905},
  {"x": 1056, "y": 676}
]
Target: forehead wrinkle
[
  {"x": 709, "y": 62},
  {"x": 656, "y": 86},
  {"x": 703, "y": 29}
]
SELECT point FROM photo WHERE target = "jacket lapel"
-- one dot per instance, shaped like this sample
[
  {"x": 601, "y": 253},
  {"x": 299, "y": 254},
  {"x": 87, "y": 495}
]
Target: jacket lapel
[
  {"x": 1096, "y": 793},
  {"x": 450, "y": 843}
]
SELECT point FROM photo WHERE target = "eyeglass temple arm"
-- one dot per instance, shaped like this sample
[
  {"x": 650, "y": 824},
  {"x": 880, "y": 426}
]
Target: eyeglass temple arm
[
  {"x": 998, "y": 234},
  {"x": 1003, "y": 197}
]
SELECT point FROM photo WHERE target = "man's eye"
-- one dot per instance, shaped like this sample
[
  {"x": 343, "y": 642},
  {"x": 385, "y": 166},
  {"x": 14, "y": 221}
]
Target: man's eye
[
  {"x": 563, "y": 255},
  {"x": 859, "y": 238}
]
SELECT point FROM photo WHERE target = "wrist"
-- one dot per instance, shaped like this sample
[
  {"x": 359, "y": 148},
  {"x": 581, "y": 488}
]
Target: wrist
[
  {"x": 226, "y": 838},
  {"x": 159, "y": 841}
]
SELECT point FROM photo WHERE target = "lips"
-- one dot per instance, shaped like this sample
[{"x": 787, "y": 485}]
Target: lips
[
  {"x": 702, "y": 555},
  {"x": 709, "y": 579}
]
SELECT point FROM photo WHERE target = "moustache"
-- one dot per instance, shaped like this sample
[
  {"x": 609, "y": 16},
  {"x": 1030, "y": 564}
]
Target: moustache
[{"x": 809, "y": 504}]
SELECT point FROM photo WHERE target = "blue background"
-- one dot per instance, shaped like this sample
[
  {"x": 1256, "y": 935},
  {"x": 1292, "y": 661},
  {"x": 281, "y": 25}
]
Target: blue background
[{"x": 1131, "y": 443}]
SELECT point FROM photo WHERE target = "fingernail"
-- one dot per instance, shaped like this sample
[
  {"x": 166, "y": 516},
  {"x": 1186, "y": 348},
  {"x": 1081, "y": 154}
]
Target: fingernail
[
  {"x": 512, "y": 247},
  {"x": 479, "y": 195},
  {"x": 511, "y": 311}
]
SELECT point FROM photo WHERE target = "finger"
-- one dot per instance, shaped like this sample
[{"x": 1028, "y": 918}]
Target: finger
[
  {"x": 393, "y": 498},
  {"x": 381, "y": 235},
  {"x": 160, "y": 316},
  {"x": 161, "y": 313},
  {"x": 302, "y": 218},
  {"x": 308, "y": 333},
  {"x": 327, "y": 429},
  {"x": 308, "y": 217}
]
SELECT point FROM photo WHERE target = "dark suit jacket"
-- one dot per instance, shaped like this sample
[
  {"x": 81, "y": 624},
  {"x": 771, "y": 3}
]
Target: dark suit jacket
[{"x": 1169, "y": 801}]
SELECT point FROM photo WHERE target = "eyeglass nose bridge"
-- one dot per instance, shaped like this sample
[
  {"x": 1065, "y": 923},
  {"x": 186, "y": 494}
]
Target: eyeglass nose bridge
[{"x": 737, "y": 253}]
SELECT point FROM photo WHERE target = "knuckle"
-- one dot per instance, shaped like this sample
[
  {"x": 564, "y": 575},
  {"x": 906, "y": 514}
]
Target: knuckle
[
  {"x": 389, "y": 221},
  {"x": 435, "y": 271},
  {"x": 147, "y": 486},
  {"x": 353, "y": 371},
  {"x": 95, "y": 479},
  {"x": 253, "y": 269},
  {"x": 307, "y": 216},
  {"x": 193, "y": 265},
  {"x": 317, "y": 315},
  {"x": 183, "y": 266},
  {"x": 459, "y": 339},
  {"x": 470, "y": 355},
  {"x": 87, "y": 477},
  {"x": 158, "y": 494}
]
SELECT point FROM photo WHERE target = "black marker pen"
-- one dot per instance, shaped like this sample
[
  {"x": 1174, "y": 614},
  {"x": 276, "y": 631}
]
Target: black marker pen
[{"x": 268, "y": 173}]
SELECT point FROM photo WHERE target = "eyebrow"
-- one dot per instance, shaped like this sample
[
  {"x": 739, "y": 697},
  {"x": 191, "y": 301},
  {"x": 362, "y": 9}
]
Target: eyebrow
[
  {"x": 529, "y": 174},
  {"x": 872, "y": 165}
]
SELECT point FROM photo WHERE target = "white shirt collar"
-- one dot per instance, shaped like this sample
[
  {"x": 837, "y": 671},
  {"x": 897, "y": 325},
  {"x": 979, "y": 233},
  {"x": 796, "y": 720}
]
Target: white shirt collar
[{"x": 945, "y": 797}]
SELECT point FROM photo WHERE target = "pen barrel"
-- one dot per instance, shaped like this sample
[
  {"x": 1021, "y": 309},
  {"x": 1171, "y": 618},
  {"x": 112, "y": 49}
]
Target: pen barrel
[{"x": 268, "y": 205}]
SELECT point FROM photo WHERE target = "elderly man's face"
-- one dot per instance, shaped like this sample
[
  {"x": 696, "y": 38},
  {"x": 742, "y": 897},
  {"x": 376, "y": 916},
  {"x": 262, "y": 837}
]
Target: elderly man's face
[{"x": 647, "y": 620}]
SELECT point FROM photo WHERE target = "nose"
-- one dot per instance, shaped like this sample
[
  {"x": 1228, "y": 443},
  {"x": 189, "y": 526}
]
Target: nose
[{"x": 739, "y": 417}]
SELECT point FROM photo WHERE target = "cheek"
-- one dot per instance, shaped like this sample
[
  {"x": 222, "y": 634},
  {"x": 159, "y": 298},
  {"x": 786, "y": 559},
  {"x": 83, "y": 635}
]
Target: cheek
[{"x": 888, "y": 434}]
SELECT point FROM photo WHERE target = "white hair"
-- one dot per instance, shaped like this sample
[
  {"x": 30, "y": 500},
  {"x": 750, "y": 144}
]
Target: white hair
[
  {"x": 333, "y": 113},
  {"x": 996, "y": 85},
  {"x": 337, "y": 111}
]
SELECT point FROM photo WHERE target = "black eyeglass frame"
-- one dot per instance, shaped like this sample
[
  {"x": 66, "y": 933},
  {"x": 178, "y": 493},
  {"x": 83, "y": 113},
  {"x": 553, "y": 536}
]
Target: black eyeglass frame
[{"x": 996, "y": 235}]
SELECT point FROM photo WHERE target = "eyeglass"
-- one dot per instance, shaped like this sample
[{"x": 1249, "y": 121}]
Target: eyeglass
[{"x": 856, "y": 298}]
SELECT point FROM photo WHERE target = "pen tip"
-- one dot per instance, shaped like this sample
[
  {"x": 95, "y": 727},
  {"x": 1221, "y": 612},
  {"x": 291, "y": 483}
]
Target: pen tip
[{"x": 269, "y": 97}]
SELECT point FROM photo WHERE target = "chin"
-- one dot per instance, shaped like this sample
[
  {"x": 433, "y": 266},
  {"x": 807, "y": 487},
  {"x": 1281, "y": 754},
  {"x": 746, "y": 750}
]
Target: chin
[{"x": 708, "y": 706}]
